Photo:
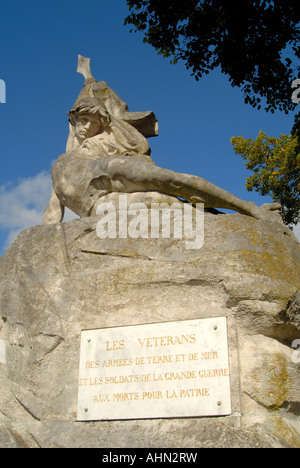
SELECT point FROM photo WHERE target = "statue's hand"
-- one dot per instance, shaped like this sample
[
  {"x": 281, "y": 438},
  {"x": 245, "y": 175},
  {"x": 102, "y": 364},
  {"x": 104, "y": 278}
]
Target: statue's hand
[{"x": 54, "y": 212}]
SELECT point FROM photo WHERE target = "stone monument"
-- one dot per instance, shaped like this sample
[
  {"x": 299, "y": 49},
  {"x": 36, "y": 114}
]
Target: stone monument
[
  {"x": 107, "y": 152},
  {"x": 138, "y": 341}
]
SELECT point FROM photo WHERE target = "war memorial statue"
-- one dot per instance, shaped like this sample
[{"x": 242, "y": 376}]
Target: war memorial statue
[
  {"x": 107, "y": 151},
  {"x": 141, "y": 342}
]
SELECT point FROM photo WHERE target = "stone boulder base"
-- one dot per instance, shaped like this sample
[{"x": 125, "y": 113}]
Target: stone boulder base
[{"x": 58, "y": 280}]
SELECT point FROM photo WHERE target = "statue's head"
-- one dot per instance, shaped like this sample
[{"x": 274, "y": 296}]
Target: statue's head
[
  {"x": 98, "y": 110},
  {"x": 89, "y": 118}
]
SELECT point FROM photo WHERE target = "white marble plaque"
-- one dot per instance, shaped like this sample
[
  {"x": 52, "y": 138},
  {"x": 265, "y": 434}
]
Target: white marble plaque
[{"x": 161, "y": 370}]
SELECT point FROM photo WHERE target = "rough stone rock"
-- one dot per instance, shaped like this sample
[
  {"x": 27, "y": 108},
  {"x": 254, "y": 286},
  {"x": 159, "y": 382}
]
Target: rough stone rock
[{"x": 58, "y": 280}]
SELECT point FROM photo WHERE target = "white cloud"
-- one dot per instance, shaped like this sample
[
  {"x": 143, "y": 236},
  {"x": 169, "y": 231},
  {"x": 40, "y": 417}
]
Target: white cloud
[{"x": 22, "y": 205}]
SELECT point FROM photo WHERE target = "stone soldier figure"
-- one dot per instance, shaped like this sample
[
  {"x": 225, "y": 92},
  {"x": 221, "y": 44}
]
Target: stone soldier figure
[{"x": 108, "y": 151}]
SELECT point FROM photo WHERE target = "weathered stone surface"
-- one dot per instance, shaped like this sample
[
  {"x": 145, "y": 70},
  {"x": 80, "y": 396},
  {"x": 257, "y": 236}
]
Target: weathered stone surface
[{"x": 58, "y": 280}]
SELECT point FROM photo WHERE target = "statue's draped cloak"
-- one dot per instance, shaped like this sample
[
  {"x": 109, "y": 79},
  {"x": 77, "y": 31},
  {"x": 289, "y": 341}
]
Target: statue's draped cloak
[
  {"x": 83, "y": 173},
  {"x": 81, "y": 176}
]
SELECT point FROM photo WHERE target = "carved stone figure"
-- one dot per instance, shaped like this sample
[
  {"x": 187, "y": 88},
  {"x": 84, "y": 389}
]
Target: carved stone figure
[{"x": 108, "y": 151}]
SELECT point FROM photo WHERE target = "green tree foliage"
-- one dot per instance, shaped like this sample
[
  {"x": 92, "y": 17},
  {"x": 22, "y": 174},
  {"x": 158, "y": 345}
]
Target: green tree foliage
[
  {"x": 255, "y": 43},
  {"x": 276, "y": 166}
]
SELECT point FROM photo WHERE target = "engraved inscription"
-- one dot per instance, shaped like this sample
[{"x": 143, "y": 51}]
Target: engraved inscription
[{"x": 174, "y": 369}]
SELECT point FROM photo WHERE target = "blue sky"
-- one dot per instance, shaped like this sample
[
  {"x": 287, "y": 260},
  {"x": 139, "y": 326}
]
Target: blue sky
[{"x": 39, "y": 44}]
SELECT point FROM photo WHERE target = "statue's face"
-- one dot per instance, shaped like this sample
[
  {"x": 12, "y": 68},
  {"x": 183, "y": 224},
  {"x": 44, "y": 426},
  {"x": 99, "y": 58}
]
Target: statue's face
[{"x": 87, "y": 126}]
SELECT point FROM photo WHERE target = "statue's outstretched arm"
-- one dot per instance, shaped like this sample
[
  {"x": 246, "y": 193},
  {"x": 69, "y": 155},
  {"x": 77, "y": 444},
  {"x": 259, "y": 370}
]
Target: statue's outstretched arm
[
  {"x": 55, "y": 211},
  {"x": 137, "y": 174}
]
